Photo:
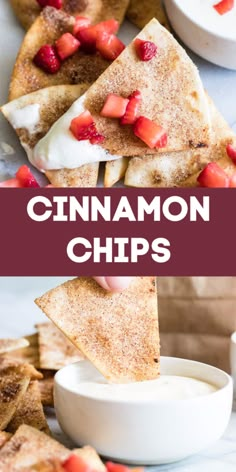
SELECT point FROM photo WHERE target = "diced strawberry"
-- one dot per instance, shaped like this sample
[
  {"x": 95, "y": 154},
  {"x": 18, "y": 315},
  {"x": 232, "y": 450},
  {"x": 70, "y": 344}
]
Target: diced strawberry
[
  {"x": 145, "y": 50},
  {"x": 87, "y": 38},
  {"x": 47, "y": 59},
  {"x": 131, "y": 111},
  {"x": 83, "y": 128},
  {"x": 26, "y": 178},
  {"x": 81, "y": 22},
  {"x": 51, "y": 3},
  {"x": 11, "y": 183},
  {"x": 114, "y": 106},
  {"x": 231, "y": 152},
  {"x": 112, "y": 467},
  {"x": 224, "y": 6},
  {"x": 232, "y": 181},
  {"x": 108, "y": 26},
  {"x": 109, "y": 46},
  {"x": 213, "y": 176},
  {"x": 75, "y": 463},
  {"x": 150, "y": 132},
  {"x": 67, "y": 45}
]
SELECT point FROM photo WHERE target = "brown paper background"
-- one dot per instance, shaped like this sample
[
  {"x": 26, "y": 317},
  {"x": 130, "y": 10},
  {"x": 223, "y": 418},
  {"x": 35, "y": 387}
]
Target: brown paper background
[{"x": 197, "y": 316}]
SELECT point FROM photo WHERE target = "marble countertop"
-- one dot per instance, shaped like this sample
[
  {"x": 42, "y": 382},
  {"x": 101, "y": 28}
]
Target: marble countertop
[
  {"x": 220, "y": 84},
  {"x": 19, "y": 314}
]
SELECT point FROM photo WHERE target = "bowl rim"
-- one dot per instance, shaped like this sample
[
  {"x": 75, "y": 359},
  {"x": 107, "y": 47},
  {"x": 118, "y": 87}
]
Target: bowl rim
[
  {"x": 197, "y": 24},
  {"x": 148, "y": 402}
]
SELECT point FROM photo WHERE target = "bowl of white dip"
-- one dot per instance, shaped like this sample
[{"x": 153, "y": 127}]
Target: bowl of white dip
[
  {"x": 209, "y": 34},
  {"x": 154, "y": 422}
]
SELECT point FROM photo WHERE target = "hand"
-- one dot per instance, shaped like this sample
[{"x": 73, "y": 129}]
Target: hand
[{"x": 113, "y": 284}]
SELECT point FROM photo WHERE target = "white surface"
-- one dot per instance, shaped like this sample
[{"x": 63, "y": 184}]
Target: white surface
[
  {"x": 144, "y": 431},
  {"x": 18, "y": 315},
  {"x": 220, "y": 84},
  {"x": 199, "y": 28}
]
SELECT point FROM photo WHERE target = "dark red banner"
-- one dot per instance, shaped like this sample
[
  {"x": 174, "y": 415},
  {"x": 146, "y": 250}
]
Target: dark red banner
[{"x": 118, "y": 232}]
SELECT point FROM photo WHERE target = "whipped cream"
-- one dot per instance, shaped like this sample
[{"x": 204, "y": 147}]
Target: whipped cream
[
  {"x": 27, "y": 117},
  {"x": 203, "y": 12},
  {"x": 166, "y": 387},
  {"x": 59, "y": 149}
]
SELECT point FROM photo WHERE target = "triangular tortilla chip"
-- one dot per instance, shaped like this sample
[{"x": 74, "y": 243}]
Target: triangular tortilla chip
[
  {"x": 172, "y": 95},
  {"x": 53, "y": 101},
  {"x": 55, "y": 350},
  {"x": 27, "y": 447},
  {"x": 178, "y": 169},
  {"x": 140, "y": 14},
  {"x": 46, "y": 388},
  {"x": 97, "y": 10},
  {"x": 79, "y": 68},
  {"x": 29, "y": 354},
  {"x": 115, "y": 170},
  {"x": 30, "y": 411},
  {"x": 117, "y": 332},
  {"x": 4, "y": 437},
  {"x": 8, "y": 345},
  {"x": 14, "y": 381}
]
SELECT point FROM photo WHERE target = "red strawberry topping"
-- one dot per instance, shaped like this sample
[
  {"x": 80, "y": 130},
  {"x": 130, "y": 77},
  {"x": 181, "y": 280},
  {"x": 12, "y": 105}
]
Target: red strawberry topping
[
  {"x": 108, "y": 26},
  {"x": 47, "y": 59},
  {"x": 11, "y": 183},
  {"x": 87, "y": 38},
  {"x": 231, "y": 152},
  {"x": 81, "y": 22},
  {"x": 145, "y": 50},
  {"x": 132, "y": 108},
  {"x": 115, "y": 106},
  {"x": 26, "y": 178},
  {"x": 66, "y": 46},
  {"x": 109, "y": 46},
  {"x": 213, "y": 176},
  {"x": 75, "y": 463},
  {"x": 232, "y": 181},
  {"x": 224, "y": 6},
  {"x": 150, "y": 132},
  {"x": 50, "y": 3},
  {"x": 83, "y": 128}
]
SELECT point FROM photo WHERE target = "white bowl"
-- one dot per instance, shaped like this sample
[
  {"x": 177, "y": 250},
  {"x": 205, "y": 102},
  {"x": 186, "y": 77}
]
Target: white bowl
[
  {"x": 207, "y": 43},
  {"x": 145, "y": 432}
]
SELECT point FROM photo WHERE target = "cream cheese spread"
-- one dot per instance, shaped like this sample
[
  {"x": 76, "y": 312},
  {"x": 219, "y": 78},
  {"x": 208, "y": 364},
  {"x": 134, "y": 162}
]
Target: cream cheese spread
[
  {"x": 166, "y": 387},
  {"x": 59, "y": 149},
  {"x": 204, "y": 13},
  {"x": 27, "y": 117}
]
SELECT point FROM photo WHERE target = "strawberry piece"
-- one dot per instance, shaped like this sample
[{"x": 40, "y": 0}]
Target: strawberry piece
[
  {"x": 76, "y": 464},
  {"x": 131, "y": 111},
  {"x": 224, "y": 6},
  {"x": 109, "y": 46},
  {"x": 150, "y": 132},
  {"x": 67, "y": 45},
  {"x": 112, "y": 467},
  {"x": 50, "y": 3},
  {"x": 81, "y": 22},
  {"x": 231, "y": 152},
  {"x": 47, "y": 59},
  {"x": 115, "y": 106},
  {"x": 83, "y": 128},
  {"x": 145, "y": 50},
  {"x": 87, "y": 38},
  {"x": 212, "y": 176},
  {"x": 26, "y": 178},
  {"x": 11, "y": 183},
  {"x": 108, "y": 26},
  {"x": 232, "y": 181}
]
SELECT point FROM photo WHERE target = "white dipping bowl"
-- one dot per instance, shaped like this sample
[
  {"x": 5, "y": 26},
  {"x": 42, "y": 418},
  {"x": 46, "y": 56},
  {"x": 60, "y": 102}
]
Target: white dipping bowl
[
  {"x": 214, "y": 47},
  {"x": 145, "y": 432}
]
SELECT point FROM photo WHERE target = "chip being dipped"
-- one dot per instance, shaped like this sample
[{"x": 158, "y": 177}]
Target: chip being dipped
[{"x": 117, "y": 332}]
